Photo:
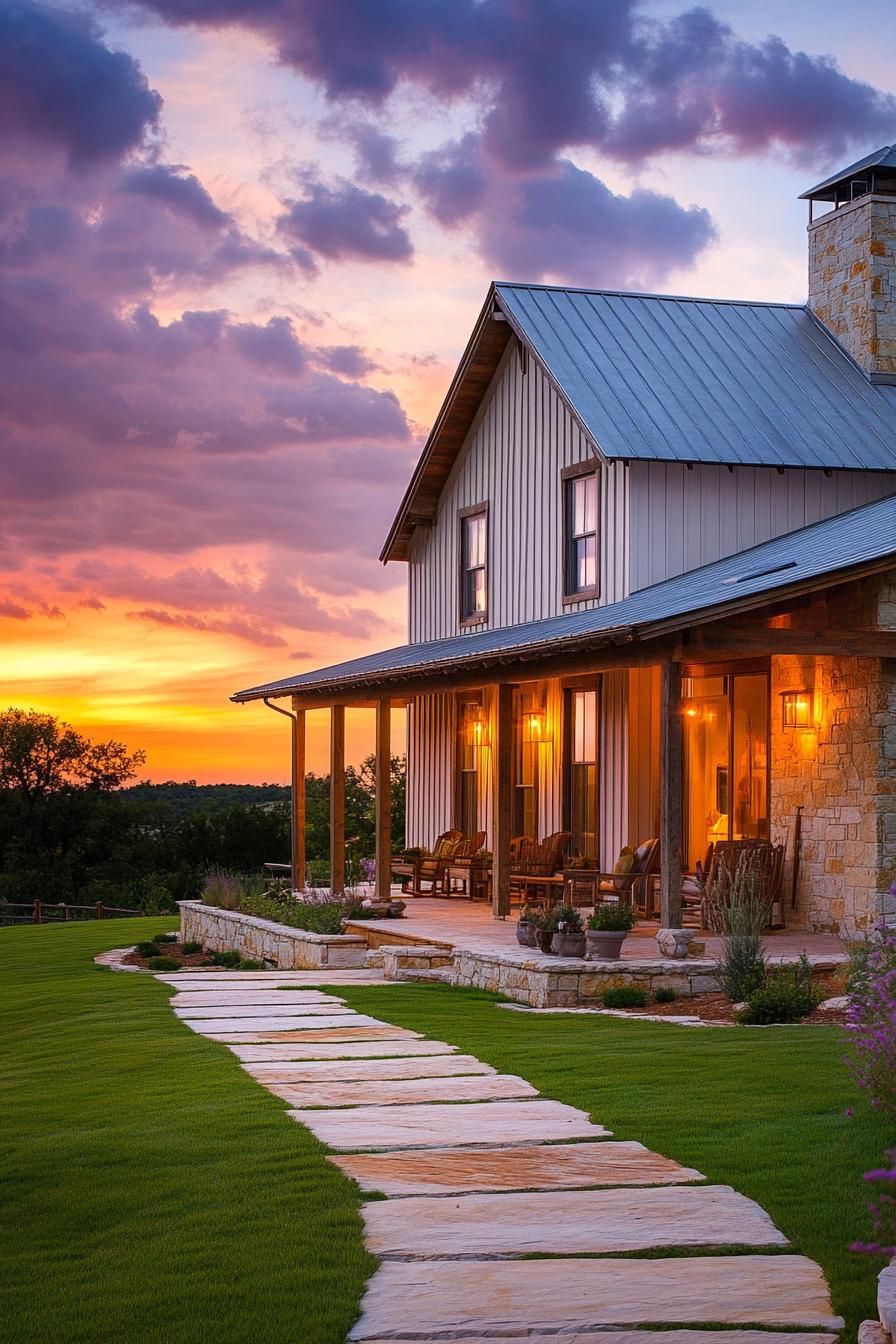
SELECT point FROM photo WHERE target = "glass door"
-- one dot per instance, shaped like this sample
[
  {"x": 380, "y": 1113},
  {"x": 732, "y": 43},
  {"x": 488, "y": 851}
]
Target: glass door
[
  {"x": 726, "y": 725},
  {"x": 581, "y": 773}
]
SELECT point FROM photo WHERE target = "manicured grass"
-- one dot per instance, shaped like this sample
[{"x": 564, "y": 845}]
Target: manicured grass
[
  {"x": 763, "y": 1110},
  {"x": 151, "y": 1190}
]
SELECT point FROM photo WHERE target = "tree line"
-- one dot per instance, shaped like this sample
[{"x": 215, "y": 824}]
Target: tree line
[{"x": 74, "y": 828}]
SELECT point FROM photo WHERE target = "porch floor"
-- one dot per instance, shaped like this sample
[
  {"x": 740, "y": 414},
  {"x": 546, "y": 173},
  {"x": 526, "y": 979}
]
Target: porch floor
[{"x": 469, "y": 926}]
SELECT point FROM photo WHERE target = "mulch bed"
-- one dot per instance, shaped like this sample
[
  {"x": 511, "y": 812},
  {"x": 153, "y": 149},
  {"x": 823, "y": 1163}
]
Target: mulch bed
[
  {"x": 195, "y": 962},
  {"x": 718, "y": 1008}
]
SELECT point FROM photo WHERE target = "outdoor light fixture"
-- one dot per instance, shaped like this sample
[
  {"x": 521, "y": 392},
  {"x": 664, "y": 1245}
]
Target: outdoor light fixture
[
  {"x": 796, "y": 709},
  {"x": 534, "y": 725},
  {"x": 477, "y": 727}
]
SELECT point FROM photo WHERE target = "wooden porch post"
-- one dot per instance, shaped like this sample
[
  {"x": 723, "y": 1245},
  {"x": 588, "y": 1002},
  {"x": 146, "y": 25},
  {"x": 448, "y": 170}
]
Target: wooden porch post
[
  {"x": 383, "y": 800},
  {"x": 298, "y": 798},
  {"x": 337, "y": 799},
  {"x": 502, "y": 762},
  {"x": 671, "y": 794}
]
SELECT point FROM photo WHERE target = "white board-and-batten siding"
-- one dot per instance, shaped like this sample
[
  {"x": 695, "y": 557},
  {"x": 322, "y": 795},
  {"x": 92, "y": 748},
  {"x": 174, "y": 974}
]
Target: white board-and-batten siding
[{"x": 513, "y": 457}]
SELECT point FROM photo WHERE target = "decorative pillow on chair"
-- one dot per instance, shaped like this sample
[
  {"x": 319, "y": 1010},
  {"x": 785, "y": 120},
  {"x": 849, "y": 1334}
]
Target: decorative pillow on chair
[{"x": 624, "y": 864}]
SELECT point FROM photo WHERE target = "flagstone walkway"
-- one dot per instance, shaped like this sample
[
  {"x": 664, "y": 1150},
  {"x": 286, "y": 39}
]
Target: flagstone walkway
[{"x": 481, "y": 1174}]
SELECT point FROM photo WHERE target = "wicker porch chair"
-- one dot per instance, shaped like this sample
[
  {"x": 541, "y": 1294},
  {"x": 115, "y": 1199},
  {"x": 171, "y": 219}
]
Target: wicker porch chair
[
  {"x": 764, "y": 861},
  {"x": 431, "y": 868}
]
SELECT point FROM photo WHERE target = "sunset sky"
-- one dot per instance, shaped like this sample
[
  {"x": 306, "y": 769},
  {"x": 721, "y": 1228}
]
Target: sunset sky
[{"x": 242, "y": 245}]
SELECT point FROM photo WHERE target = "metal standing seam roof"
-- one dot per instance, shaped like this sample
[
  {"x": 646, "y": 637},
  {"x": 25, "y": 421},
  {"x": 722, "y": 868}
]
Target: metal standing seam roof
[
  {"x": 879, "y": 158},
  {"x": 705, "y": 380},
  {"x": 863, "y": 536}
]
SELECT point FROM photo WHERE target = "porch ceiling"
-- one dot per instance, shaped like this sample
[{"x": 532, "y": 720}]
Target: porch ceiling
[{"x": 846, "y": 547}]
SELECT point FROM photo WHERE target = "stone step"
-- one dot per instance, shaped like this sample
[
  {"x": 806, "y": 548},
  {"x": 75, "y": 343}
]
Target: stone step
[
  {"x": 403, "y": 1091},
  {"x": 486, "y": 1123},
  {"x": 410, "y": 1046},
  {"x": 298, "y": 1021},
  {"x": 353, "y": 1033},
  {"x": 440, "y": 975},
  {"x": 273, "y": 998},
  {"x": 453, "y": 1171},
  {"x": 446, "y": 1299},
  {"x": 567, "y": 1222},
  {"x": 642, "y": 1337},
  {"x": 365, "y": 1070},
  {"x": 244, "y": 1011}
]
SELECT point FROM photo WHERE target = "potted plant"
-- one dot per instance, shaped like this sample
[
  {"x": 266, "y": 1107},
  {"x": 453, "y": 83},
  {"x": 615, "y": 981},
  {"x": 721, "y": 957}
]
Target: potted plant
[
  {"x": 607, "y": 928},
  {"x": 568, "y": 938},
  {"x": 530, "y": 921}
]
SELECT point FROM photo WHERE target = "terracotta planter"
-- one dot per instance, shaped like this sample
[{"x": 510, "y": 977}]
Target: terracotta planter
[
  {"x": 525, "y": 935},
  {"x": 543, "y": 940},
  {"x": 605, "y": 944},
  {"x": 568, "y": 944}
]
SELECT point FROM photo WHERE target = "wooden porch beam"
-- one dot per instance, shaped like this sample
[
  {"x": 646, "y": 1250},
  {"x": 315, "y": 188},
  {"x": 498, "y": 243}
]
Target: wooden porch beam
[
  {"x": 297, "y": 800},
  {"x": 337, "y": 799},
  {"x": 383, "y": 802},
  {"x": 502, "y": 814},
  {"x": 671, "y": 794},
  {"x": 708, "y": 646}
]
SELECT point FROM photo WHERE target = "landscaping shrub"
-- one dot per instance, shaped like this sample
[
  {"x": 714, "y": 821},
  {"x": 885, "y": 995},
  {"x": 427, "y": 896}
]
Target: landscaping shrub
[
  {"x": 164, "y": 964},
  {"x": 229, "y": 959},
  {"x": 624, "y": 996},
  {"x": 190, "y": 949},
  {"x": 249, "y": 965},
  {"x": 788, "y": 995},
  {"x": 738, "y": 907},
  {"x": 148, "y": 949},
  {"x": 324, "y": 915},
  {"x": 666, "y": 994},
  {"x": 166, "y": 938},
  {"x": 872, "y": 1021}
]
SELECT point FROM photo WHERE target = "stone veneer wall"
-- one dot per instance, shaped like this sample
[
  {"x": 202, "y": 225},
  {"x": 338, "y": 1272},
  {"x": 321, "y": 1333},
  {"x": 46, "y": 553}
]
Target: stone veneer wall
[
  {"x": 275, "y": 944},
  {"x": 844, "y": 775},
  {"x": 852, "y": 279}
]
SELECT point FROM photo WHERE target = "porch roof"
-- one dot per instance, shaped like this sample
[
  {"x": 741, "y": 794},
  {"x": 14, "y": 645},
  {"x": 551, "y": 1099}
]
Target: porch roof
[{"x": 830, "y": 551}]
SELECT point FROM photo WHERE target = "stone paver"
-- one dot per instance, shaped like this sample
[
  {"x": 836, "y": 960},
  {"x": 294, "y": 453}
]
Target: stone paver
[
  {"x": 264, "y": 1011},
  {"x": 428, "y": 1126},
  {"x": 274, "y": 998},
  {"x": 363, "y": 1070},
  {"x": 440, "y": 1299},
  {"x": 648, "y": 1337},
  {"x": 283, "y": 1022},
  {"x": 568, "y": 1222},
  {"x": 408, "y": 1046},
  {"x": 316, "y": 1033},
  {"x": 439, "y": 1171},
  {"x": 404, "y": 1091}
]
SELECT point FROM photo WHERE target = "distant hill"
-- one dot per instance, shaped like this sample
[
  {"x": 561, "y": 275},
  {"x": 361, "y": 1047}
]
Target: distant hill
[{"x": 186, "y": 796}]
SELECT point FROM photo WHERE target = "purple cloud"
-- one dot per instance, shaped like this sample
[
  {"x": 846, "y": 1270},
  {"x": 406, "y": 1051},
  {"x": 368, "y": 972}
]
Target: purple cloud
[
  {"x": 568, "y": 226},
  {"x": 452, "y": 180},
  {"x": 345, "y": 223},
  {"x": 179, "y": 190},
  {"x": 61, "y": 86},
  {"x": 550, "y": 77}
]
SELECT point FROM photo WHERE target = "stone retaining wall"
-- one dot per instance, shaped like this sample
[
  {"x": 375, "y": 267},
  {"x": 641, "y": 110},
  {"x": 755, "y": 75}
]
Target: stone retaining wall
[{"x": 276, "y": 945}]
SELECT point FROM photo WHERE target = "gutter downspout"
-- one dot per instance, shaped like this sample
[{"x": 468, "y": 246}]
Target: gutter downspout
[{"x": 288, "y": 714}]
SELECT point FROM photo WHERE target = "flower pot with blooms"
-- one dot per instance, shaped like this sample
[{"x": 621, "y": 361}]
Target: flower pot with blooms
[
  {"x": 530, "y": 921},
  {"x": 568, "y": 938}
]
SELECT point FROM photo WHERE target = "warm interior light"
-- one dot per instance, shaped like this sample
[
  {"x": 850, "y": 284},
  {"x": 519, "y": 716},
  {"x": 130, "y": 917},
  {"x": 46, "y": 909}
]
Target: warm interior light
[{"x": 797, "y": 709}]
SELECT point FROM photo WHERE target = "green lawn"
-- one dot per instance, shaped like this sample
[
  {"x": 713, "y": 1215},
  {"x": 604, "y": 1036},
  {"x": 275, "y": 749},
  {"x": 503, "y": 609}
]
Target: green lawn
[
  {"x": 154, "y": 1192},
  {"x": 151, "y": 1190},
  {"x": 762, "y": 1109}
]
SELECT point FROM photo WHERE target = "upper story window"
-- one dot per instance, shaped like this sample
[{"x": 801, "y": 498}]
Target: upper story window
[
  {"x": 580, "y": 534},
  {"x": 474, "y": 564}
]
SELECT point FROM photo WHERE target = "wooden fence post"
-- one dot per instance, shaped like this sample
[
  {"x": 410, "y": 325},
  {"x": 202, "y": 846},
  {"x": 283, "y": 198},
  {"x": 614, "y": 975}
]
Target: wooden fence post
[
  {"x": 37, "y": 912},
  {"x": 99, "y": 910}
]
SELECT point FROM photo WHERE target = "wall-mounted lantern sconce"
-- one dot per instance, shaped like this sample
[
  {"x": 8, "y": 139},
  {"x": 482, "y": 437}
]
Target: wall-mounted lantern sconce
[
  {"x": 477, "y": 727},
  {"x": 534, "y": 729},
  {"x": 797, "y": 710}
]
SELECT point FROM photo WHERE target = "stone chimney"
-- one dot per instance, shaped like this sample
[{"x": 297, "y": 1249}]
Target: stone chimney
[{"x": 852, "y": 261}]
